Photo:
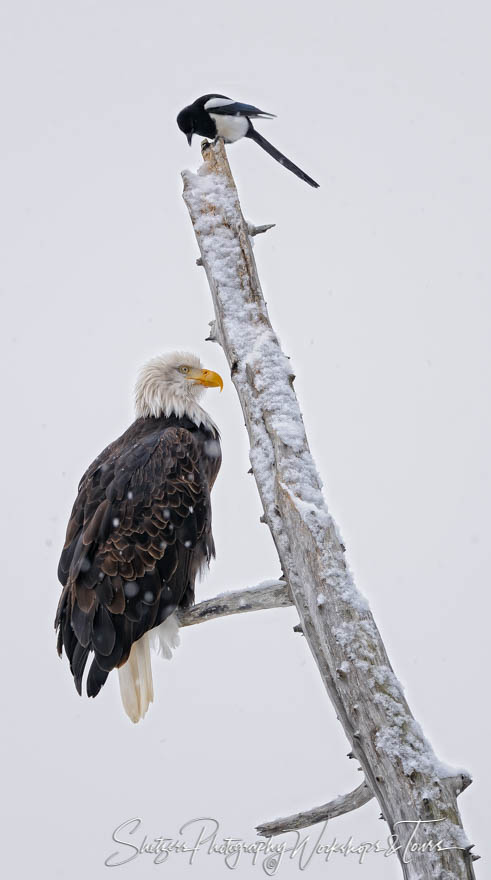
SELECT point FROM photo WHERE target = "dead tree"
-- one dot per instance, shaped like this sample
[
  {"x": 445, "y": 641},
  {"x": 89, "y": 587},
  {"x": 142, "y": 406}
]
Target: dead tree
[{"x": 400, "y": 768}]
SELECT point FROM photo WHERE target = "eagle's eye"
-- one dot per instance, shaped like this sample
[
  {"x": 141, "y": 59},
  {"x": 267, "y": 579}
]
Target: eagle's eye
[{"x": 184, "y": 369}]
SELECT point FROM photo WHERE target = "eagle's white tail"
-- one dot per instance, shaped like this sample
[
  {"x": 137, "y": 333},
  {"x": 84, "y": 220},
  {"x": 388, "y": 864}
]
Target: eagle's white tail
[
  {"x": 135, "y": 677},
  {"x": 135, "y": 680}
]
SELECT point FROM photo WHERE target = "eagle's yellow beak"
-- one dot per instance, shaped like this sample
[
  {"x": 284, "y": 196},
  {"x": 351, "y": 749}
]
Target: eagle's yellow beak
[{"x": 206, "y": 377}]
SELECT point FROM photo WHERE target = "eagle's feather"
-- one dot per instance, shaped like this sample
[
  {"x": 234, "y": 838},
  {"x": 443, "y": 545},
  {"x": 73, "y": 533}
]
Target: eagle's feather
[{"x": 139, "y": 532}]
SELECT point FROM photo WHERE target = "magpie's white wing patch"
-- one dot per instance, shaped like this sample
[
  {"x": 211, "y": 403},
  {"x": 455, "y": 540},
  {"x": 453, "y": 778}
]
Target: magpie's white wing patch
[
  {"x": 218, "y": 102},
  {"x": 230, "y": 128}
]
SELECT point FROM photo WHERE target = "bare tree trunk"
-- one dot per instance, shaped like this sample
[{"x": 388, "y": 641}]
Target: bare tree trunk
[{"x": 401, "y": 770}]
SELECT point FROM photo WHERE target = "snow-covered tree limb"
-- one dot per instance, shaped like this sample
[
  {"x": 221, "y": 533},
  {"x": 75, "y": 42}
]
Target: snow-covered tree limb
[
  {"x": 345, "y": 803},
  {"x": 400, "y": 767},
  {"x": 271, "y": 594}
]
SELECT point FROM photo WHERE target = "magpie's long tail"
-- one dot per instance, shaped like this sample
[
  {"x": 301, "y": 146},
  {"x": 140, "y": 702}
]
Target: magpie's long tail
[{"x": 252, "y": 133}]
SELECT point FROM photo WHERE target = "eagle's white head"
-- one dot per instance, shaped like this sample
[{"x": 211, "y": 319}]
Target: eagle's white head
[{"x": 172, "y": 384}]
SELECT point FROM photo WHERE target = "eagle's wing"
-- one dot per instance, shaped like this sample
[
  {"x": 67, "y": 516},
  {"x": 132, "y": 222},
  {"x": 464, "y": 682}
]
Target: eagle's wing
[
  {"x": 226, "y": 107},
  {"x": 139, "y": 531}
]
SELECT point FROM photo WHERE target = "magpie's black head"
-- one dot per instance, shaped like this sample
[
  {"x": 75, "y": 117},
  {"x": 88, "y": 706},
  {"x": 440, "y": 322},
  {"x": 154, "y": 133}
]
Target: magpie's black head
[{"x": 185, "y": 121}]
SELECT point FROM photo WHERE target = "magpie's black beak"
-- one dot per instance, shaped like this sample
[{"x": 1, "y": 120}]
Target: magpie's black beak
[{"x": 190, "y": 137}]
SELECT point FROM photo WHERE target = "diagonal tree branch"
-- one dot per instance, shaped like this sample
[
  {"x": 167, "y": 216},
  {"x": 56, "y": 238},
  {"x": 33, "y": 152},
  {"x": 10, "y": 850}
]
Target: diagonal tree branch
[
  {"x": 337, "y": 807},
  {"x": 343, "y": 804},
  {"x": 271, "y": 594},
  {"x": 400, "y": 767}
]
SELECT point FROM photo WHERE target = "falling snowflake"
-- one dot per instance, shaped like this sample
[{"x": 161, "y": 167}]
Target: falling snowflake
[
  {"x": 212, "y": 448},
  {"x": 131, "y": 589}
]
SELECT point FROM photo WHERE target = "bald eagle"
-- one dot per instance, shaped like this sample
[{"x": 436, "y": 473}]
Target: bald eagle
[{"x": 140, "y": 532}]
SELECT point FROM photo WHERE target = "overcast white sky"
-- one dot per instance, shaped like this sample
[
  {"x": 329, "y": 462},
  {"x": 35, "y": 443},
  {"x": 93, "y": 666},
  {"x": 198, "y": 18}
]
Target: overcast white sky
[{"x": 378, "y": 285}]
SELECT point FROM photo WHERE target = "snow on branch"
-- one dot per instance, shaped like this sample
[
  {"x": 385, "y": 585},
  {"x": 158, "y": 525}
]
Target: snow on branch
[
  {"x": 270, "y": 594},
  {"x": 400, "y": 767}
]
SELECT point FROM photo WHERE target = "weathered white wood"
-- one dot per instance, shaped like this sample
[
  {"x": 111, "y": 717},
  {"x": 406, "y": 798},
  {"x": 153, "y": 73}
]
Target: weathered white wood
[
  {"x": 273, "y": 594},
  {"x": 337, "y": 807},
  {"x": 409, "y": 782}
]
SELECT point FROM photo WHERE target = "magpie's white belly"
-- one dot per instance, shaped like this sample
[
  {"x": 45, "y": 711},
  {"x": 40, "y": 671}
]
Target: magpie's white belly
[{"x": 231, "y": 128}]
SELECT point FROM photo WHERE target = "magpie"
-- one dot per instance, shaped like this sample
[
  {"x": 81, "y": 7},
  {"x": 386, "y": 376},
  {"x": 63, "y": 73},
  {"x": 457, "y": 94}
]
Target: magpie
[{"x": 215, "y": 116}]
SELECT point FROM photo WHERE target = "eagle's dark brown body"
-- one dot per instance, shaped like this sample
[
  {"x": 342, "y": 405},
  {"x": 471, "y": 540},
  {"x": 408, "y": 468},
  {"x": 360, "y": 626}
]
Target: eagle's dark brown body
[{"x": 139, "y": 532}]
